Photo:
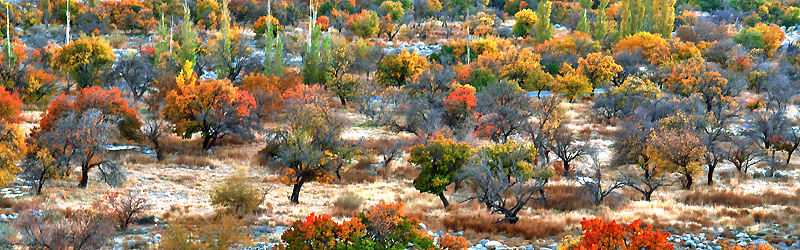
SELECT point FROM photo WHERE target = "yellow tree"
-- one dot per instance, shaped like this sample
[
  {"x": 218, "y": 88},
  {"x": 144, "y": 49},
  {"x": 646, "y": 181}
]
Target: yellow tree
[
  {"x": 12, "y": 140},
  {"x": 598, "y": 68},
  {"x": 523, "y": 67},
  {"x": 84, "y": 59},
  {"x": 393, "y": 70},
  {"x": 571, "y": 83},
  {"x": 526, "y": 19},
  {"x": 652, "y": 46}
]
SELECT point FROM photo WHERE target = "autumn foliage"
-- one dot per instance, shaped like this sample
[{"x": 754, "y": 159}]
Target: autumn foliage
[
  {"x": 109, "y": 102},
  {"x": 393, "y": 70},
  {"x": 597, "y": 235},
  {"x": 10, "y": 105}
]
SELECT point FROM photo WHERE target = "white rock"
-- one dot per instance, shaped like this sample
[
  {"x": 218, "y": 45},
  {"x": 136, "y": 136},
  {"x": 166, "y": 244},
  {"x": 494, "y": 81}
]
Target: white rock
[{"x": 493, "y": 244}]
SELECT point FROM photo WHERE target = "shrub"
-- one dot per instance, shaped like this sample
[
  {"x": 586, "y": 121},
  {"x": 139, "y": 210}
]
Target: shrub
[
  {"x": 365, "y": 24},
  {"x": 348, "y": 202},
  {"x": 237, "y": 193},
  {"x": 383, "y": 227},
  {"x": 448, "y": 242},
  {"x": 597, "y": 234},
  {"x": 526, "y": 19},
  {"x": 71, "y": 229},
  {"x": 123, "y": 206},
  {"x": 220, "y": 233}
]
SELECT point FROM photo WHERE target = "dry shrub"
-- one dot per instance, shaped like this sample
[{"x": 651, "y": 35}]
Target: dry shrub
[
  {"x": 191, "y": 161},
  {"x": 237, "y": 193},
  {"x": 483, "y": 222},
  {"x": 721, "y": 198},
  {"x": 7, "y": 202},
  {"x": 231, "y": 153},
  {"x": 761, "y": 216},
  {"x": 354, "y": 176},
  {"x": 178, "y": 146},
  {"x": 733, "y": 213},
  {"x": 779, "y": 198},
  {"x": 26, "y": 204},
  {"x": 223, "y": 231},
  {"x": 348, "y": 203},
  {"x": 138, "y": 159},
  {"x": 564, "y": 198},
  {"x": 695, "y": 216},
  {"x": 406, "y": 171}
]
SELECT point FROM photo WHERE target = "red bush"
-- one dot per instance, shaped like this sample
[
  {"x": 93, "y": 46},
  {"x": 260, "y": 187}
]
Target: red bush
[{"x": 597, "y": 234}]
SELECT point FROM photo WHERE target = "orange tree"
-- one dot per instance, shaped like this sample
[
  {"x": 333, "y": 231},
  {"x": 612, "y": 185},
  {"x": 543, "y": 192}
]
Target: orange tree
[
  {"x": 694, "y": 76},
  {"x": 84, "y": 59},
  {"x": 652, "y": 46},
  {"x": 12, "y": 144},
  {"x": 394, "y": 70},
  {"x": 81, "y": 128},
  {"x": 440, "y": 159},
  {"x": 762, "y": 36},
  {"x": 459, "y": 106},
  {"x": 214, "y": 109}
]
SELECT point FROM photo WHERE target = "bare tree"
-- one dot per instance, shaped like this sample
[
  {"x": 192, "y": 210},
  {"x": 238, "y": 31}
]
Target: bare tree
[
  {"x": 137, "y": 72},
  {"x": 154, "y": 127},
  {"x": 505, "y": 191},
  {"x": 46, "y": 228},
  {"x": 504, "y": 110},
  {"x": 547, "y": 118},
  {"x": 742, "y": 153},
  {"x": 564, "y": 145},
  {"x": 592, "y": 181}
]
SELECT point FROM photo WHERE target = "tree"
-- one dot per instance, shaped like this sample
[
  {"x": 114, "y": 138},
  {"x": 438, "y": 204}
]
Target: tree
[
  {"x": 652, "y": 46},
  {"x": 638, "y": 169},
  {"x": 601, "y": 27},
  {"x": 365, "y": 24},
  {"x": 767, "y": 126},
  {"x": 188, "y": 49},
  {"x": 311, "y": 147},
  {"x": 621, "y": 101},
  {"x": 564, "y": 145},
  {"x": 394, "y": 70},
  {"x": 440, "y": 159},
  {"x": 504, "y": 109},
  {"x": 680, "y": 151},
  {"x": 571, "y": 83},
  {"x": 583, "y": 24},
  {"x": 214, "y": 109},
  {"x": 544, "y": 29},
  {"x": 592, "y": 182},
  {"x": 138, "y": 73},
  {"x": 503, "y": 191},
  {"x": 110, "y": 103},
  {"x": 459, "y": 106},
  {"x": 762, "y": 36},
  {"x": 84, "y": 59},
  {"x": 273, "y": 46},
  {"x": 548, "y": 117},
  {"x": 742, "y": 153},
  {"x": 12, "y": 140},
  {"x": 83, "y": 138},
  {"x": 663, "y": 17},
  {"x": 523, "y": 67},
  {"x": 598, "y": 68},
  {"x": 526, "y": 20},
  {"x": 154, "y": 127}
]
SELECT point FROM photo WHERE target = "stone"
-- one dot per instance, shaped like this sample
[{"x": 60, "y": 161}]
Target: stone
[
  {"x": 690, "y": 244},
  {"x": 483, "y": 242},
  {"x": 422, "y": 225},
  {"x": 493, "y": 245},
  {"x": 791, "y": 227},
  {"x": 742, "y": 235}
]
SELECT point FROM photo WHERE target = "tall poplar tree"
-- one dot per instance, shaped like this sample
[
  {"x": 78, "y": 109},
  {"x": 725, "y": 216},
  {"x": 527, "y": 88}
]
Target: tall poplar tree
[
  {"x": 273, "y": 47},
  {"x": 544, "y": 29},
  {"x": 583, "y": 24}
]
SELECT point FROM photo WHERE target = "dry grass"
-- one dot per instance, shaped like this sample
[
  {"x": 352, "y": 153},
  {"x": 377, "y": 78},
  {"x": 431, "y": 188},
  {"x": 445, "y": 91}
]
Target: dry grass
[
  {"x": 729, "y": 198},
  {"x": 347, "y": 204},
  {"x": 563, "y": 197},
  {"x": 478, "y": 222}
]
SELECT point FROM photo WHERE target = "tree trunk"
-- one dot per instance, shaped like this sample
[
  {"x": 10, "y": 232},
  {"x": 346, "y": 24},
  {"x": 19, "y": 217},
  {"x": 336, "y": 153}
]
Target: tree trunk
[
  {"x": 84, "y": 177},
  {"x": 647, "y": 196},
  {"x": 343, "y": 101},
  {"x": 444, "y": 200},
  {"x": 711, "y": 168},
  {"x": 159, "y": 153},
  {"x": 689, "y": 181},
  {"x": 206, "y": 142},
  {"x": 789, "y": 156},
  {"x": 295, "y": 198}
]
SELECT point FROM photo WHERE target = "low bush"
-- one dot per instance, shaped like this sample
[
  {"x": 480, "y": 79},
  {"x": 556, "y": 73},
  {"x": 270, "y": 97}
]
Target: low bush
[
  {"x": 348, "y": 203},
  {"x": 221, "y": 232},
  {"x": 483, "y": 222},
  {"x": 71, "y": 229},
  {"x": 238, "y": 194},
  {"x": 382, "y": 227},
  {"x": 124, "y": 206},
  {"x": 597, "y": 234}
]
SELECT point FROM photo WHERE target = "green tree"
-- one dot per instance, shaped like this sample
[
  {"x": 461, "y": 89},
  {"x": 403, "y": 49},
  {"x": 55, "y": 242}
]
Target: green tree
[
  {"x": 440, "y": 159},
  {"x": 583, "y": 24},
  {"x": 273, "y": 48},
  {"x": 544, "y": 29},
  {"x": 188, "y": 48},
  {"x": 601, "y": 25}
]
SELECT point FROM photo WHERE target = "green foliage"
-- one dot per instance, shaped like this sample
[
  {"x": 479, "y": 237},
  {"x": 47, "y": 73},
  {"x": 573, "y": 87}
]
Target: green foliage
[
  {"x": 84, "y": 59},
  {"x": 394, "y": 9},
  {"x": 749, "y": 38},
  {"x": 526, "y": 19},
  {"x": 601, "y": 26},
  {"x": 314, "y": 63},
  {"x": 365, "y": 24},
  {"x": 481, "y": 78},
  {"x": 583, "y": 24},
  {"x": 544, "y": 29},
  {"x": 440, "y": 160},
  {"x": 188, "y": 49},
  {"x": 791, "y": 17},
  {"x": 511, "y": 157}
]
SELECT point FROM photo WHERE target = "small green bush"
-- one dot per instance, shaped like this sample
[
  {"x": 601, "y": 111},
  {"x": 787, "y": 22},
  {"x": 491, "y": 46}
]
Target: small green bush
[{"x": 237, "y": 193}]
